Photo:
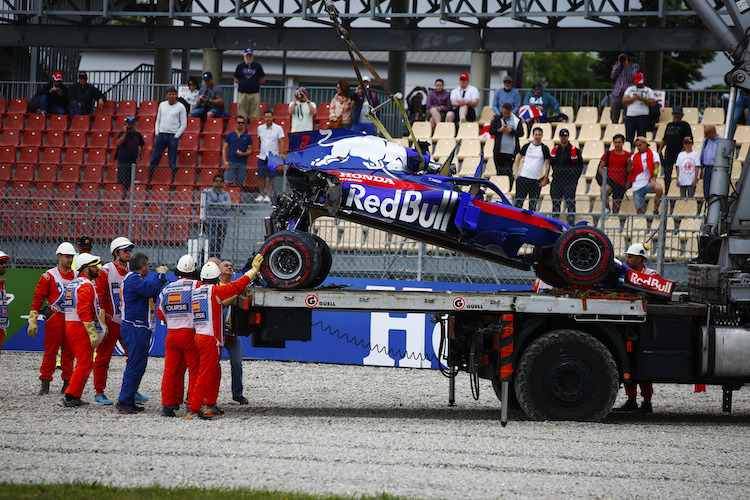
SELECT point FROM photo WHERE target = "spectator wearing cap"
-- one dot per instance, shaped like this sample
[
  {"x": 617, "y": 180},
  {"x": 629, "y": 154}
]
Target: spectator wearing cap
[
  {"x": 130, "y": 150},
  {"x": 623, "y": 72},
  {"x": 464, "y": 100},
  {"x": 506, "y": 94},
  {"x": 675, "y": 133},
  {"x": 687, "y": 164},
  {"x": 210, "y": 102},
  {"x": 302, "y": 110},
  {"x": 84, "y": 246},
  {"x": 249, "y": 76},
  {"x": 708, "y": 158},
  {"x": 567, "y": 166},
  {"x": 81, "y": 96},
  {"x": 544, "y": 101},
  {"x": 52, "y": 97},
  {"x": 438, "y": 103},
  {"x": 637, "y": 100},
  {"x": 507, "y": 128},
  {"x": 361, "y": 121},
  {"x": 171, "y": 122}
]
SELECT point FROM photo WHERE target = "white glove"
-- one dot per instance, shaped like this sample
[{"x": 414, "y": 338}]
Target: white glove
[{"x": 162, "y": 269}]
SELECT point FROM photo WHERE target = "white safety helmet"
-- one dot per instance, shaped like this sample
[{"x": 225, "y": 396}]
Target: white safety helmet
[
  {"x": 637, "y": 249},
  {"x": 186, "y": 264},
  {"x": 210, "y": 271},
  {"x": 86, "y": 259},
  {"x": 119, "y": 244},
  {"x": 66, "y": 248},
  {"x": 4, "y": 256}
]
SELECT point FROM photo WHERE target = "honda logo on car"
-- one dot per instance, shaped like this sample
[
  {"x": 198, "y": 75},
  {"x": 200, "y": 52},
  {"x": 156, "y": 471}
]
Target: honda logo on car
[
  {"x": 650, "y": 282},
  {"x": 405, "y": 206}
]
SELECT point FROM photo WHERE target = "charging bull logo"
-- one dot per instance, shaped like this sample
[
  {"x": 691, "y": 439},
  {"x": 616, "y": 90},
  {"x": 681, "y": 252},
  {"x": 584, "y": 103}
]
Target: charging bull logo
[
  {"x": 406, "y": 206},
  {"x": 367, "y": 151},
  {"x": 653, "y": 283}
]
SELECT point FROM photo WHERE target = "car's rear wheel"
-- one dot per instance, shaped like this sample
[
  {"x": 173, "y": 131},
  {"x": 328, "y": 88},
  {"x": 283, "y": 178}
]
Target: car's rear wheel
[
  {"x": 583, "y": 256},
  {"x": 544, "y": 269},
  {"x": 290, "y": 260},
  {"x": 326, "y": 260}
]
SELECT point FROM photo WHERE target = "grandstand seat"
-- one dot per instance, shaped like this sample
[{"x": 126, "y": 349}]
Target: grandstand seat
[
  {"x": 193, "y": 125},
  {"x": 665, "y": 114},
  {"x": 422, "y": 130},
  {"x": 148, "y": 108},
  {"x": 160, "y": 193},
  {"x": 212, "y": 143},
  {"x": 606, "y": 117},
  {"x": 690, "y": 115},
  {"x": 318, "y": 124},
  {"x": 3, "y": 105},
  {"x": 146, "y": 159},
  {"x": 127, "y": 108},
  {"x": 206, "y": 177},
  {"x": 32, "y": 138},
  {"x": 285, "y": 124},
  {"x": 252, "y": 127},
  {"x": 52, "y": 156},
  {"x": 184, "y": 193},
  {"x": 468, "y": 130},
  {"x": 20, "y": 189},
  {"x": 90, "y": 191},
  {"x": 486, "y": 115},
  {"x": 264, "y": 106},
  {"x": 119, "y": 123},
  {"x": 235, "y": 194},
  {"x": 24, "y": 172},
  {"x": 7, "y": 159},
  {"x": 251, "y": 179},
  {"x": 107, "y": 219},
  {"x": 55, "y": 139},
  {"x": 469, "y": 167},
  {"x": 99, "y": 140},
  {"x": 210, "y": 159},
  {"x": 80, "y": 123},
  {"x": 611, "y": 130},
  {"x": 281, "y": 111},
  {"x": 587, "y": 114},
  {"x": 187, "y": 159},
  {"x": 18, "y": 105},
  {"x": 70, "y": 173},
  {"x": 67, "y": 190},
  {"x": 443, "y": 148},
  {"x": 714, "y": 116},
  {"x": 233, "y": 110},
  {"x": 592, "y": 150},
  {"x": 97, "y": 157},
  {"x": 185, "y": 176},
  {"x": 444, "y": 130},
  {"x": 148, "y": 140},
  {"x": 93, "y": 173},
  {"x": 58, "y": 122},
  {"x": 742, "y": 134},
  {"x": 44, "y": 189},
  {"x": 113, "y": 192},
  {"x": 213, "y": 126},
  {"x": 569, "y": 112},
  {"x": 469, "y": 148},
  {"x": 589, "y": 132},
  {"x": 15, "y": 121},
  {"x": 162, "y": 176},
  {"x": 29, "y": 155},
  {"x": 74, "y": 156},
  {"x": 698, "y": 134},
  {"x": 36, "y": 219},
  {"x": 102, "y": 123},
  {"x": 10, "y": 138},
  {"x": 659, "y": 134},
  {"x": 190, "y": 142},
  {"x": 147, "y": 124},
  {"x": 47, "y": 173},
  {"x": 108, "y": 109},
  {"x": 110, "y": 177}
]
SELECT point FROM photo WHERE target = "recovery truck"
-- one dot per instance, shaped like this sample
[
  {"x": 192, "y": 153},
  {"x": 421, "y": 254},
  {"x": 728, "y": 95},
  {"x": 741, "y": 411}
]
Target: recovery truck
[{"x": 565, "y": 352}]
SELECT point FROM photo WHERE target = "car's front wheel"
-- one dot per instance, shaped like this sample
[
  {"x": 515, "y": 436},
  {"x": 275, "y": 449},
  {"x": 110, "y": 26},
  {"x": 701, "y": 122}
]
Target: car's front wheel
[{"x": 583, "y": 256}]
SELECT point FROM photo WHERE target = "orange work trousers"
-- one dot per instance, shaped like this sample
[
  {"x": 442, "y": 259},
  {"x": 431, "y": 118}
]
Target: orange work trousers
[
  {"x": 54, "y": 339},
  {"x": 206, "y": 389},
  {"x": 84, "y": 354},
  {"x": 104, "y": 356},
  {"x": 180, "y": 354}
]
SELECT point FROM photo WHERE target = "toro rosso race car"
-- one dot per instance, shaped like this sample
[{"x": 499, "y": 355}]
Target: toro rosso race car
[{"x": 381, "y": 184}]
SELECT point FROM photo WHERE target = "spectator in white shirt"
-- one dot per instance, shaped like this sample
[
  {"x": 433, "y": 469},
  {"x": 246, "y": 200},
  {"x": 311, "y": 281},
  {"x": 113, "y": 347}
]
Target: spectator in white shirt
[
  {"x": 271, "y": 137},
  {"x": 464, "y": 100},
  {"x": 171, "y": 122}
]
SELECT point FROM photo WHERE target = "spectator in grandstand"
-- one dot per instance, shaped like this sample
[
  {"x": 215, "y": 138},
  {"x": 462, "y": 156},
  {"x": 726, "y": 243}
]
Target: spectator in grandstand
[
  {"x": 687, "y": 162},
  {"x": 708, "y": 157},
  {"x": 567, "y": 166},
  {"x": 415, "y": 105},
  {"x": 302, "y": 110},
  {"x": 507, "y": 128},
  {"x": 642, "y": 176},
  {"x": 139, "y": 289},
  {"x": 218, "y": 204},
  {"x": 4, "y": 317},
  {"x": 637, "y": 100},
  {"x": 130, "y": 150},
  {"x": 48, "y": 289},
  {"x": 210, "y": 101},
  {"x": 535, "y": 171},
  {"x": 623, "y": 72},
  {"x": 674, "y": 134},
  {"x": 340, "y": 110},
  {"x": 464, "y": 100},
  {"x": 249, "y": 76},
  {"x": 438, "y": 103},
  {"x": 171, "y": 122},
  {"x": 545, "y": 103},
  {"x": 191, "y": 98},
  {"x": 742, "y": 104},
  {"x": 232, "y": 343},
  {"x": 271, "y": 138},
  {"x": 52, "y": 97},
  {"x": 617, "y": 161},
  {"x": 238, "y": 145},
  {"x": 361, "y": 121},
  {"x": 81, "y": 96},
  {"x": 506, "y": 94}
]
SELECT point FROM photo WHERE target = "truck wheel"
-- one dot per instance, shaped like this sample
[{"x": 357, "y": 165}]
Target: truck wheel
[
  {"x": 566, "y": 375},
  {"x": 326, "y": 260},
  {"x": 290, "y": 260},
  {"x": 583, "y": 256},
  {"x": 544, "y": 269}
]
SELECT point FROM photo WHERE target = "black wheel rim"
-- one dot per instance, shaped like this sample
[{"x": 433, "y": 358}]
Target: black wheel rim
[
  {"x": 285, "y": 262},
  {"x": 568, "y": 381},
  {"x": 584, "y": 255}
]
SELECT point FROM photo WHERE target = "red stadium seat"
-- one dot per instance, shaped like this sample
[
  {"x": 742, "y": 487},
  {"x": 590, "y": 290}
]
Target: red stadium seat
[
  {"x": 70, "y": 173},
  {"x": 3, "y": 105},
  {"x": 111, "y": 176},
  {"x": 190, "y": 142},
  {"x": 281, "y": 111},
  {"x": 89, "y": 191},
  {"x": 47, "y": 173},
  {"x": 146, "y": 124},
  {"x": 149, "y": 108},
  {"x": 251, "y": 179},
  {"x": 233, "y": 110},
  {"x": 127, "y": 108},
  {"x": 162, "y": 176},
  {"x": 235, "y": 194},
  {"x": 93, "y": 174},
  {"x": 10, "y": 138},
  {"x": 146, "y": 160},
  {"x": 15, "y": 121},
  {"x": 18, "y": 105},
  {"x": 213, "y": 126},
  {"x": 52, "y": 156},
  {"x": 210, "y": 159},
  {"x": 113, "y": 192},
  {"x": 44, "y": 190},
  {"x": 96, "y": 157},
  {"x": 29, "y": 155},
  {"x": 55, "y": 139},
  {"x": 33, "y": 138},
  {"x": 184, "y": 193},
  {"x": 206, "y": 177},
  {"x": 74, "y": 156},
  {"x": 120, "y": 123},
  {"x": 187, "y": 159},
  {"x": 67, "y": 191},
  {"x": 148, "y": 140},
  {"x": 6, "y": 171},
  {"x": 107, "y": 220},
  {"x": 58, "y": 122},
  {"x": 253, "y": 126},
  {"x": 102, "y": 123},
  {"x": 24, "y": 172},
  {"x": 80, "y": 123},
  {"x": 77, "y": 139},
  {"x": 7, "y": 155},
  {"x": 141, "y": 175},
  {"x": 160, "y": 193},
  {"x": 185, "y": 176},
  {"x": 212, "y": 143},
  {"x": 286, "y": 124},
  {"x": 36, "y": 219},
  {"x": 324, "y": 110},
  {"x": 264, "y": 106},
  {"x": 37, "y": 122},
  {"x": 140, "y": 193},
  {"x": 99, "y": 140},
  {"x": 193, "y": 125},
  {"x": 108, "y": 109},
  {"x": 20, "y": 189}
]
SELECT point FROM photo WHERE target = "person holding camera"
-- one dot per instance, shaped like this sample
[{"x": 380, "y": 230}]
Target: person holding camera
[
  {"x": 303, "y": 110},
  {"x": 210, "y": 102},
  {"x": 623, "y": 72},
  {"x": 130, "y": 149}
]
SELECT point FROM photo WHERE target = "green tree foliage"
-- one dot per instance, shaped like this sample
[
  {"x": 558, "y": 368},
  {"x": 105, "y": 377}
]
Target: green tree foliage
[{"x": 560, "y": 70}]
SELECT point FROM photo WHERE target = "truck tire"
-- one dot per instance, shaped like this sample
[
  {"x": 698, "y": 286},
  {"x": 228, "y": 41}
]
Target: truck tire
[
  {"x": 583, "y": 256},
  {"x": 326, "y": 260},
  {"x": 566, "y": 375},
  {"x": 290, "y": 260}
]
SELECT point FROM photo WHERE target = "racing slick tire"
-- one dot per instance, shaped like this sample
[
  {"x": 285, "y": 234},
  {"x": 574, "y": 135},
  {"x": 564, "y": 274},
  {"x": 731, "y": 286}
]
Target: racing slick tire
[
  {"x": 326, "y": 260},
  {"x": 583, "y": 256},
  {"x": 544, "y": 269},
  {"x": 290, "y": 260},
  {"x": 566, "y": 375}
]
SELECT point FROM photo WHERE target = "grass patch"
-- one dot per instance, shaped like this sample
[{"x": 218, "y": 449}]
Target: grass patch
[{"x": 95, "y": 491}]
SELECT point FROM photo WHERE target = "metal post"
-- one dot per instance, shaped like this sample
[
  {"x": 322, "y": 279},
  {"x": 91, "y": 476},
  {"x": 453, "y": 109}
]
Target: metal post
[
  {"x": 132, "y": 196},
  {"x": 452, "y": 387},
  {"x": 662, "y": 235},
  {"x": 604, "y": 195},
  {"x": 420, "y": 256},
  {"x": 504, "y": 403}
]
